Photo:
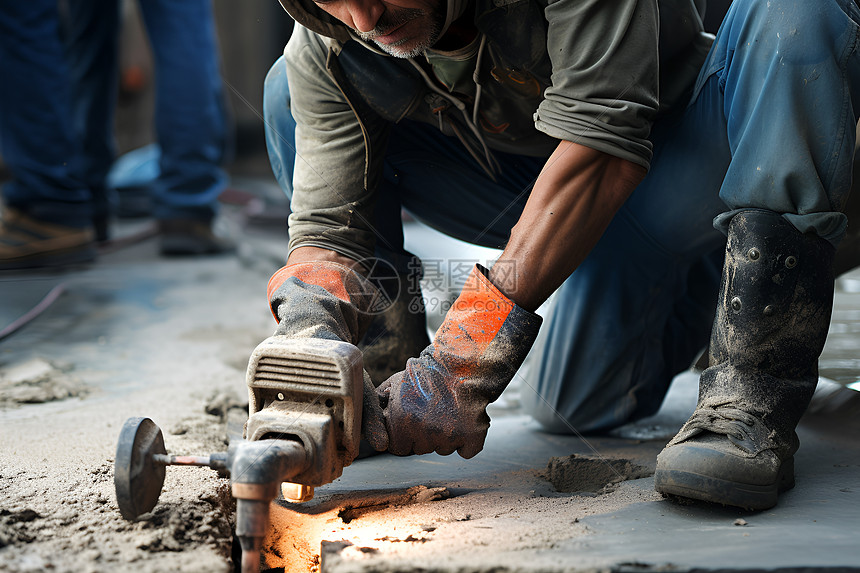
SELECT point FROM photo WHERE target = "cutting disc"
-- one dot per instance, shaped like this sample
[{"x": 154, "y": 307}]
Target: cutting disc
[{"x": 137, "y": 478}]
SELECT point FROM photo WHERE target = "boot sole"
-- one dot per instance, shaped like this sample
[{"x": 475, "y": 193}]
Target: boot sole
[
  {"x": 56, "y": 258},
  {"x": 726, "y": 492}
]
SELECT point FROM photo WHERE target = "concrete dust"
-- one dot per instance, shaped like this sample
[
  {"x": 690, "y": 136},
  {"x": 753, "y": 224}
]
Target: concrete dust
[
  {"x": 466, "y": 524},
  {"x": 36, "y": 381},
  {"x": 173, "y": 527},
  {"x": 593, "y": 474},
  {"x": 142, "y": 336},
  {"x": 83, "y": 531},
  {"x": 73, "y": 524},
  {"x": 210, "y": 431}
]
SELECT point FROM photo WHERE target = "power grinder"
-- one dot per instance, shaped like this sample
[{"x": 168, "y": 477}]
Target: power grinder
[{"x": 303, "y": 428}]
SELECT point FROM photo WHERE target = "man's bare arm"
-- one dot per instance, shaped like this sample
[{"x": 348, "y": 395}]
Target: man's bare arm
[{"x": 575, "y": 197}]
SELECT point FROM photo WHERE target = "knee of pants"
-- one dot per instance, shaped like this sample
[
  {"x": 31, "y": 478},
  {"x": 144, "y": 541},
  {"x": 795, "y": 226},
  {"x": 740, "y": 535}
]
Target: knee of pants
[
  {"x": 577, "y": 418},
  {"x": 549, "y": 421},
  {"x": 791, "y": 75},
  {"x": 280, "y": 127}
]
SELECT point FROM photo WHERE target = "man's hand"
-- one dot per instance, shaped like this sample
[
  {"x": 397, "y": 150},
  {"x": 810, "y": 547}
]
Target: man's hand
[
  {"x": 439, "y": 402},
  {"x": 320, "y": 294}
]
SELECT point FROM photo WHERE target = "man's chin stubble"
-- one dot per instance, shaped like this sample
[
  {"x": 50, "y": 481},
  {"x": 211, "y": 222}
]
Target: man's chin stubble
[{"x": 395, "y": 51}]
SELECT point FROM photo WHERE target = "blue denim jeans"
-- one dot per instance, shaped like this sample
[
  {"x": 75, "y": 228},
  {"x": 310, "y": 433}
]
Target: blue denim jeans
[
  {"x": 37, "y": 138},
  {"x": 190, "y": 110},
  {"x": 770, "y": 126},
  {"x": 60, "y": 114}
]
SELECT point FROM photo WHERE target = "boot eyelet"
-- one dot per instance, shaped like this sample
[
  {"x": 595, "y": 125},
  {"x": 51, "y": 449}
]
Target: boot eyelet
[
  {"x": 753, "y": 254},
  {"x": 768, "y": 310},
  {"x": 736, "y": 304},
  {"x": 790, "y": 262}
]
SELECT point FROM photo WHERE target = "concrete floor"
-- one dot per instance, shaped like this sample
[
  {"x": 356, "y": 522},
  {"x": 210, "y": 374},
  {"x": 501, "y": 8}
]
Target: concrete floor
[{"x": 136, "y": 334}]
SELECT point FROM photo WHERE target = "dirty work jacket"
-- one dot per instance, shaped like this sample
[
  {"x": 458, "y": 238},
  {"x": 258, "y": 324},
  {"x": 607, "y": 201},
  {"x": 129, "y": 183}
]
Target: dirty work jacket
[{"x": 588, "y": 71}]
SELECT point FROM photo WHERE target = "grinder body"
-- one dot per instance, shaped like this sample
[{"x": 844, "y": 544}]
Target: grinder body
[
  {"x": 310, "y": 391},
  {"x": 304, "y": 426}
]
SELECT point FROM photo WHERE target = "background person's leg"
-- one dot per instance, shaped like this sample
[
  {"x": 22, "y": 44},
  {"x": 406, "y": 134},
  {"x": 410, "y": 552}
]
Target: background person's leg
[
  {"x": 48, "y": 215},
  {"x": 190, "y": 109},
  {"x": 91, "y": 34},
  {"x": 36, "y": 133}
]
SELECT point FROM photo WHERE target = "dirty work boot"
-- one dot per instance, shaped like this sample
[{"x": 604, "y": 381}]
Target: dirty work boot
[
  {"x": 188, "y": 237},
  {"x": 27, "y": 243},
  {"x": 772, "y": 319}
]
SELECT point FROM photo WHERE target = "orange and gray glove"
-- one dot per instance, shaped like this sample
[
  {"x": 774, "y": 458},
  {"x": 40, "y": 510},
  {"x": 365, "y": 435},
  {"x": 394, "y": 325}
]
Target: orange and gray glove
[
  {"x": 329, "y": 301},
  {"x": 439, "y": 403}
]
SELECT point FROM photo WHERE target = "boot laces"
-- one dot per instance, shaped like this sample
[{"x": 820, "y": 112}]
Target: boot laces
[
  {"x": 723, "y": 421},
  {"x": 743, "y": 429}
]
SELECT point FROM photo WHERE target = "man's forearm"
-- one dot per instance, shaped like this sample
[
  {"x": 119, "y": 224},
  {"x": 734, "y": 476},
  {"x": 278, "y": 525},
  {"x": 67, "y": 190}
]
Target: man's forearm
[{"x": 575, "y": 197}]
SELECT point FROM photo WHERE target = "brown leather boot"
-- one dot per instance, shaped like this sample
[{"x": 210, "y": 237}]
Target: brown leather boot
[{"x": 27, "y": 243}]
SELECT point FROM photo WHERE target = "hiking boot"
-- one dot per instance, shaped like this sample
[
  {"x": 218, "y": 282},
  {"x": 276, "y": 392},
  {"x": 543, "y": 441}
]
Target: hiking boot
[
  {"x": 772, "y": 319},
  {"x": 27, "y": 243},
  {"x": 188, "y": 237}
]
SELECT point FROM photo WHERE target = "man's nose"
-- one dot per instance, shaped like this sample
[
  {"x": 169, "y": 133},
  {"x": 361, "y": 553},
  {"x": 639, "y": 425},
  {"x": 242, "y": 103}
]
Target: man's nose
[{"x": 365, "y": 13}]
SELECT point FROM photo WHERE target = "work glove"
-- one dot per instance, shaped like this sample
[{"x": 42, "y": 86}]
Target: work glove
[
  {"x": 329, "y": 301},
  {"x": 439, "y": 403}
]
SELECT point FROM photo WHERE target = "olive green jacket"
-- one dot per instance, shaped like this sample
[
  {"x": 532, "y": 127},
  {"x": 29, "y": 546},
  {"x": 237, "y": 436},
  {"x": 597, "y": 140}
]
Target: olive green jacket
[{"x": 596, "y": 72}]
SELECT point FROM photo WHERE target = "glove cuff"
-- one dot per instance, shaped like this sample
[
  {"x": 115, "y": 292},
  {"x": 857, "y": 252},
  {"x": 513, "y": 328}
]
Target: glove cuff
[
  {"x": 478, "y": 315},
  {"x": 339, "y": 280}
]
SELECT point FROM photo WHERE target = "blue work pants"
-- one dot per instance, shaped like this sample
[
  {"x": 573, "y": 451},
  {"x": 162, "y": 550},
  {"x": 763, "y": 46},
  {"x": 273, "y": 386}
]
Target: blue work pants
[
  {"x": 190, "y": 110},
  {"x": 37, "y": 137},
  {"x": 770, "y": 126}
]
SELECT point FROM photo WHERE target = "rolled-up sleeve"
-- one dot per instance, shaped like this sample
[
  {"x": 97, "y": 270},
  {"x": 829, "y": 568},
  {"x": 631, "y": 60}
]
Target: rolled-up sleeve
[{"x": 605, "y": 75}]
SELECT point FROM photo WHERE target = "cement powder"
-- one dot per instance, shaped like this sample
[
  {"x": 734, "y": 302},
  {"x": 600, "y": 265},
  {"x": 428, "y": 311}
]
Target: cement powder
[
  {"x": 36, "y": 381},
  {"x": 580, "y": 473},
  {"x": 73, "y": 523},
  {"x": 468, "y": 525}
]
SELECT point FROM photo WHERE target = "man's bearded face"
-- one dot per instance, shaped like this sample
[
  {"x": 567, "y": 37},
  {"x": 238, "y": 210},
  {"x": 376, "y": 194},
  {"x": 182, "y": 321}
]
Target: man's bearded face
[
  {"x": 401, "y": 28},
  {"x": 406, "y": 32}
]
